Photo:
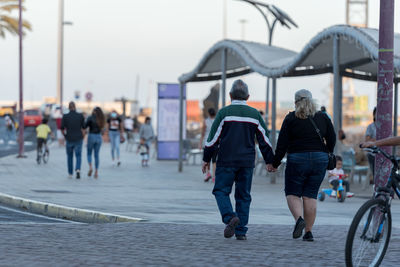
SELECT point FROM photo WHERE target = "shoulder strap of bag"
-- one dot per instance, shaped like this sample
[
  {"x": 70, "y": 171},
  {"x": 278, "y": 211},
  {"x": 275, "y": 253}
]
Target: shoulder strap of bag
[{"x": 318, "y": 131}]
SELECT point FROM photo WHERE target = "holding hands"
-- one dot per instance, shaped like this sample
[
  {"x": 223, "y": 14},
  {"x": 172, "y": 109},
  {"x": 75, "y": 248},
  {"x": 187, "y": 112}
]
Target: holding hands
[{"x": 270, "y": 168}]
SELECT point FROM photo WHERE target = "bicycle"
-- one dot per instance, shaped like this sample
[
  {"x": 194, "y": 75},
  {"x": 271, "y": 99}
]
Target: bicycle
[
  {"x": 369, "y": 234},
  {"x": 43, "y": 153}
]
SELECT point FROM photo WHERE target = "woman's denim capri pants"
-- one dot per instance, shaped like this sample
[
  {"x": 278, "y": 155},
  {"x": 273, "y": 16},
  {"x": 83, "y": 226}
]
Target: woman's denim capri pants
[{"x": 304, "y": 173}]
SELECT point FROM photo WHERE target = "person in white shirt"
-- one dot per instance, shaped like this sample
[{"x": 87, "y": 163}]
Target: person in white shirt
[{"x": 336, "y": 174}]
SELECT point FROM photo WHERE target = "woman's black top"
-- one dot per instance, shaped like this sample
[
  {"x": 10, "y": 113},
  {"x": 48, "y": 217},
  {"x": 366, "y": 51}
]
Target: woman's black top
[
  {"x": 299, "y": 135},
  {"x": 92, "y": 124}
]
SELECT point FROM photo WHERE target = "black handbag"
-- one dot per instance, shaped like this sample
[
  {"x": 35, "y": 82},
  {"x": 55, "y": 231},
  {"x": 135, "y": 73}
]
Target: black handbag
[{"x": 331, "y": 156}]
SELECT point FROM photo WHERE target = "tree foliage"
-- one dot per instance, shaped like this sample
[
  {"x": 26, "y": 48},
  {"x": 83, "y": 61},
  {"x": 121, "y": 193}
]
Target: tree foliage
[{"x": 8, "y": 23}]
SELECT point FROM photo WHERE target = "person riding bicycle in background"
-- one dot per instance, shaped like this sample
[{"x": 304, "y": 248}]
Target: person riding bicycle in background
[{"x": 42, "y": 132}]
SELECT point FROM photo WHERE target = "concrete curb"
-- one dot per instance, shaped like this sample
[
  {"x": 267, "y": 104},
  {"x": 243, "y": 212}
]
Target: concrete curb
[{"x": 63, "y": 212}]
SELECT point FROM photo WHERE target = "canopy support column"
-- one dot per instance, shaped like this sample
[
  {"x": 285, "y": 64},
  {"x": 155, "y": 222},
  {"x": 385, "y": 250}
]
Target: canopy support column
[
  {"x": 396, "y": 104},
  {"x": 181, "y": 96},
  {"x": 223, "y": 75},
  {"x": 273, "y": 124},
  {"x": 267, "y": 106},
  {"x": 337, "y": 87}
]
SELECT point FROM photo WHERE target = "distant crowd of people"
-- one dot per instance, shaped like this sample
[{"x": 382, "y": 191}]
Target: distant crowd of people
[{"x": 73, "y": 127}]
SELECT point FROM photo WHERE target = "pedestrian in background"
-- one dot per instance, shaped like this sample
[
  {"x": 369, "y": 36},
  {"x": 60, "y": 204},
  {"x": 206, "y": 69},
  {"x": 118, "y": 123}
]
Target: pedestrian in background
[
  {"x": 10, "y": 126},
  {"x": 115, "y": 132},
  {"x": 146, "y": 132},
  {"x": 72, "y": 127},
  {"x": 128, "y": 127},
  {"x": 370, "y": 136},
  {"x": 95, "y": 123},
  {"x": 233, "y": 134},
  {"x": 204, "y": 134},
  {"x": 307, "y": 159}
]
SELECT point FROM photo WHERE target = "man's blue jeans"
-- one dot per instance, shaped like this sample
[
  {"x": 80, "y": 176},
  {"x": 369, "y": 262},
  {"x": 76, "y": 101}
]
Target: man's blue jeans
[
  {"x": 75, "y": 146},
  {"x": 224, "y": 179}
]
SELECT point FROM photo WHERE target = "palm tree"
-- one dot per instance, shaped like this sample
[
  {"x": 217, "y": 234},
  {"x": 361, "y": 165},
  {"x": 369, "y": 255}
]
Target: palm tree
[{"x": 8, "y": 23}]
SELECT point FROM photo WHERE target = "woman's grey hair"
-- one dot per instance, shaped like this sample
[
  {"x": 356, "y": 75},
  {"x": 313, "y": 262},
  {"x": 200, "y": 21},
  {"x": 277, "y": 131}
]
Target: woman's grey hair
[
  {"x": 239, "y": 90},
  {"x": 305, "y": 108}
]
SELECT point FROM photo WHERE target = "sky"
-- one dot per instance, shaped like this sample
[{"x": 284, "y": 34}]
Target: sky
[{"x": 111, "y": 43}]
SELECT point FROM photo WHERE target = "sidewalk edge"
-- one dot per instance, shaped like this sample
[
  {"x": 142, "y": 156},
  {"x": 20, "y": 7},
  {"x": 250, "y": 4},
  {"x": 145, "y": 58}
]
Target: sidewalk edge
[{"x": 63, "y": 212}]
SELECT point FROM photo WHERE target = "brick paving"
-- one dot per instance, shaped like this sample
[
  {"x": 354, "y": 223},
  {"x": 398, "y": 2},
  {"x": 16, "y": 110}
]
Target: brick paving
[{"x": 172, "y": 245}]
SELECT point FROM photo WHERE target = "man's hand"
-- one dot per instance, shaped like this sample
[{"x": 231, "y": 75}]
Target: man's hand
[
  {"x": 205, "y": 167},
  {"x": 270, "y": 168},
  {"x": 367, "y": 144}
]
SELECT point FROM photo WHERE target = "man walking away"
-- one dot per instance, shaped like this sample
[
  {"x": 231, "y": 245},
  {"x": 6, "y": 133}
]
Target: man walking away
[
  {"x": 233, "y": 134},
  {"x": 72, "y": 126}
]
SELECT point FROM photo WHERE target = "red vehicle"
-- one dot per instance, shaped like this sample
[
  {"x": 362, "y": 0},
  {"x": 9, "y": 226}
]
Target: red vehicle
[{"x": 32, "y": 117}]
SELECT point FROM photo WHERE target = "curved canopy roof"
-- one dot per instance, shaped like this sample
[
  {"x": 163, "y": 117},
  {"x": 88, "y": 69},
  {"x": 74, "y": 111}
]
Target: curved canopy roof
[{"x": 358, "y": 57}]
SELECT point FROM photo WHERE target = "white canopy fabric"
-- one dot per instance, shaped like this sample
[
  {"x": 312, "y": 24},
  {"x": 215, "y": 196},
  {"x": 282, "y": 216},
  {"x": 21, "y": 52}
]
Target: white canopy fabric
[{"x": 358, "y": 57}]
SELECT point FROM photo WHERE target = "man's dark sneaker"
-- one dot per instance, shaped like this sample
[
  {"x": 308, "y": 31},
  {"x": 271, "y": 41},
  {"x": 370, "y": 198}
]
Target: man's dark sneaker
[
  {"x": 230, "y": 227},
  {"x": 298, "y": 228},
  {"x": 78, "y": 175},
  {"x": 241, "y": 237},
  {"x": 308, "y": 236}
]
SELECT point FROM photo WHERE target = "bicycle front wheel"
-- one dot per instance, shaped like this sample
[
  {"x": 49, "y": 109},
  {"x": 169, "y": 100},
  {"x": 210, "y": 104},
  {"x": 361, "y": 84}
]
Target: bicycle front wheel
[{"x": 369, "y": 234}]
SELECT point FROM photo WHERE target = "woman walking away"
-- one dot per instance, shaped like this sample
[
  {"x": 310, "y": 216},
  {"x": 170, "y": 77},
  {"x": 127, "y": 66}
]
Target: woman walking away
[
  {"x": 114, "y": 132},
  {"x": 204, "y": 135},
  {"x": 95, "y": 123},
  {"x": 307, "y": 159}
]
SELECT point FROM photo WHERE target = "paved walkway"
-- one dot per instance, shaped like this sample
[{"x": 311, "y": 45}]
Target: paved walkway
[
  {"x": 150, "y": 244},
  {"x": 158, "y": 193},
  {"x": 190, "y": 232}
]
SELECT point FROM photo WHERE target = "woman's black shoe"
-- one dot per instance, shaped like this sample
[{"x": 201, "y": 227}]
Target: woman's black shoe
[
  {"x": 308, "y": 236},
  {"x": 298, "y": 228}
]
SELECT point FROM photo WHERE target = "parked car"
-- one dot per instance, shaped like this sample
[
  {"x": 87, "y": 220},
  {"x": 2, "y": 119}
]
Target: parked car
[{"x": 32, "y": 117}]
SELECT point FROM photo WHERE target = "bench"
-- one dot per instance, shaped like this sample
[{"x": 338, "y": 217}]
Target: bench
[{"x": 350, "y": 166}]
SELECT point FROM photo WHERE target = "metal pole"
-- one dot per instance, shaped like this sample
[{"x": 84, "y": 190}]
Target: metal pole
[
  {"x": 224, "y": 19},
  {"x": 267, "y": 106},
  {"x": 60, "y": 53},
  {"x": 273, "y": 114},
  {"x": 181, "y": 97},
  {"x": 21, "y": 91},
  {"x": 396, "y": 103},
  {"x": 385, "y": 88},
  {"x": 223, "y": 75},
  {"x": 336, "y": 85},
  {"x": 273, "y": 123}
]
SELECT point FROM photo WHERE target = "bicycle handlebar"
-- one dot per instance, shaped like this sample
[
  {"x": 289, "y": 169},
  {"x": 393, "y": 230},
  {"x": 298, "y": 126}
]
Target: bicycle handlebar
[{"x": 377, "y": 150}]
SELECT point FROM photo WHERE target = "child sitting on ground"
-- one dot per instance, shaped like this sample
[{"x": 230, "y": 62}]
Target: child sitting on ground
[
  {"x": 143, "y": 148},
  {"x": 334, "y": 176}
]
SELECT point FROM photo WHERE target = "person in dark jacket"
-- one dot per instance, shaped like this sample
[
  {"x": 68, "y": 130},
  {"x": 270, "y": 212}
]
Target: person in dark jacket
[
  {"x": 72, "y": 125},
  {"x": 233, "y": 134},
  {"x": 307, "y": 159},
  {"x": 95, "y": 123}
]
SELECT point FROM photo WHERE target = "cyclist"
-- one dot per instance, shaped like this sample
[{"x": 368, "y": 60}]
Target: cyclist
[{"x": 42, "y": 132}]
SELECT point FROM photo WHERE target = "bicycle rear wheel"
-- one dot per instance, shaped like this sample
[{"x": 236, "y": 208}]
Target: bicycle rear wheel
[
  {"x": 369, "y": 234},
  {"x": 45, "y": 156}
]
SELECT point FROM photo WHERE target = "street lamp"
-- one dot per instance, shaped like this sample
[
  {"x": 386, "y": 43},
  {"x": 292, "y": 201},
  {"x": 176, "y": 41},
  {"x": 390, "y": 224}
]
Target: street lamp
[
  {"x": 21, "y": 96},
  {"x": 277, "y": 15},
  {"x": 60, "y": 72}
]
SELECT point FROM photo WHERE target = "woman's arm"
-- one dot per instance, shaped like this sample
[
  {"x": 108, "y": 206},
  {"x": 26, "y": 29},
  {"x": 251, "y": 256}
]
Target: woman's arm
[
  {"x": 390, "y": 141},
  {"x": 283, "y": 143}
]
